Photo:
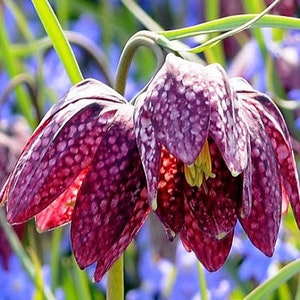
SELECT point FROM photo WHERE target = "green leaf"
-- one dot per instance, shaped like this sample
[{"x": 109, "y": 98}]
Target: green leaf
[
  {"x": 234, "y": 31},
  {"x": 263, "y": 290},
  {"x": 18, "y": 249},
  {"x": 232, "y": 22},
  {"x": 60, "y": 42}
]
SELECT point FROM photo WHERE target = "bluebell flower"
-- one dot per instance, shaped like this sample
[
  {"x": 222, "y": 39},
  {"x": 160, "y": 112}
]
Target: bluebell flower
[
  {"x": 249, "y": 62},
  {"x": 55, "y": 75},
  {"x": 286, "y": 55},
  {"x": 265, "y": 267},
  {"x": 140, "y": 294},
  {"x": 294, "y": 94},
  {"x": 15, "y": 283},
  {"x": 87, "y": 25},
  {"x": 153, "y": 271},
  {"x": 46, "y": 275},
  {"x": 10, "y": 23},
  {"x": 186, "y": 285},
  {"x": 7, "y": 105},
  {"x": 180, "y": 280},
  {"x": 194, "y": 12}
]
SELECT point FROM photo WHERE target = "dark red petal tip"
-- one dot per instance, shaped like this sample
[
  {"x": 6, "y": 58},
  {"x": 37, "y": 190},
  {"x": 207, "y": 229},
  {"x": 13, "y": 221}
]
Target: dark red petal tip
[
  {"x": 262, "y": 224},
  {"x": 111, "y": 205}
]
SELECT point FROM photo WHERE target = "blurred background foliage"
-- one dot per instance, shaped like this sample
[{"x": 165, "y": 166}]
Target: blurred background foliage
[{"x": 32, "y": 78}]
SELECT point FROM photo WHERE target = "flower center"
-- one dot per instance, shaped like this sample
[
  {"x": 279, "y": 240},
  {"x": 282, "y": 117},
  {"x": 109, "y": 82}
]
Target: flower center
[{"x": 197, "y": 173}]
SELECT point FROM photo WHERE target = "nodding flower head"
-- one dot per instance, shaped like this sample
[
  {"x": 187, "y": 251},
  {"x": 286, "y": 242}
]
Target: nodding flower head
[
  {"x": 81, "y": 165},
  {"x": 214, "y": 151},
  {"x": 204, "y": 151}
]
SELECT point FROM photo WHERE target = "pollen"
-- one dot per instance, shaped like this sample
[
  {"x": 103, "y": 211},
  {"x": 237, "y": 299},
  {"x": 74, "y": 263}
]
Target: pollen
[{"x": 197, "y": 173}]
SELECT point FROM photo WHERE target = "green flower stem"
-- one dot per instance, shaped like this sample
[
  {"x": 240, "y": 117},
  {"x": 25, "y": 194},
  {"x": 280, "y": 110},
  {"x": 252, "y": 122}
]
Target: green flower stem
[
  {"x": 115, "y": 281},
  {"x": 82, "y": 283},
  {"x": 93, "y": 51},
  {"x": 215, "y": 54},
  {"x": 142, "y": 38},
  {"x": 24, "y": 28},
  {"x": 142, "y": 16},
  {"x": 29, "y": 82},
  {"x": 202, "y": 282},
  {"x": 62, "y": 10},
  {"x": 55, "y": 260},
  {"x": 24, "y": 50},
  {"x": 153, "y": 27},
  {"x": 59, "y": 40},
  {"x": 21, "y": 21},
  {"x": 18, "y": 249},
  {"x": 297, "y": 295},
  {"x": 254, "y": 7},
  {"x": 263, "y": 290},
  {"x": 11, "y": 65}
]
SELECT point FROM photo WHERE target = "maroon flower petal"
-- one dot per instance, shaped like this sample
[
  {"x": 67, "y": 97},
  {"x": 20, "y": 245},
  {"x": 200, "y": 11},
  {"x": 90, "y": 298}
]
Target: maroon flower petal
[
  {"x": 110, "y": 207},
  {"x": 212, "y": 252},
  {"x": 170, "y": 198},
  {"x": 60, "y": 211},
  {"x": 279, "y": 137},
  {"x": 262, "y": 102},
  {"x": 262, "y": 224},
  {"x": 89, "y": 90},
  {"x": 226, "y": 125},
  {"x": 177, "y": 101},
  {"x": 149, "y": 149},
  {"x": 55, "y": 158},
  {"x": 277, "y": 130},
  {"x": 287, "y": 165},
  {"x": 139, "y": 215},
  {"x": 215, "y": 203}
]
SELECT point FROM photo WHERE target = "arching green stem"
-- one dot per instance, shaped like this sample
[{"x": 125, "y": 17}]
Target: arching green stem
[
  {"x": 142, "y": 38},
  {"x": 75, "y": 38},
  {"x": 29, "y": 82}
]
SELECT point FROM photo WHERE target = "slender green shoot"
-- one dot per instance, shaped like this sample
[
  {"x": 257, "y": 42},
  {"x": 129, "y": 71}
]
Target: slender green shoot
[
  {"x": 21, "y": 254},
  {"x": 202, "y": 282},
  {"x": 59, "y": 40},
  {"x": 264, "y": 289}
]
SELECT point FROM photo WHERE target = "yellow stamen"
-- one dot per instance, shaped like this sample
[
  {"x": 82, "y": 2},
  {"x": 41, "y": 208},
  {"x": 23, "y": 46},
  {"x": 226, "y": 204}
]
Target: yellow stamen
[
  {"x": 197, "y": 173},
  {"x": 154, "y": 203}
]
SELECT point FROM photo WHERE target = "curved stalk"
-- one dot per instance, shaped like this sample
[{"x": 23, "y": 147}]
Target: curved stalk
[
  {"x": 29, "y": 82},
  {"x": 142, "y": 38},
  {"x": 74, "y": 38}
]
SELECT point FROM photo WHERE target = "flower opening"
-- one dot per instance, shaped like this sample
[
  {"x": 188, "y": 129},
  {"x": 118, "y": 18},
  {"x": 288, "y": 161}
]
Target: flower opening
[{"x": 197, "y": 173}]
